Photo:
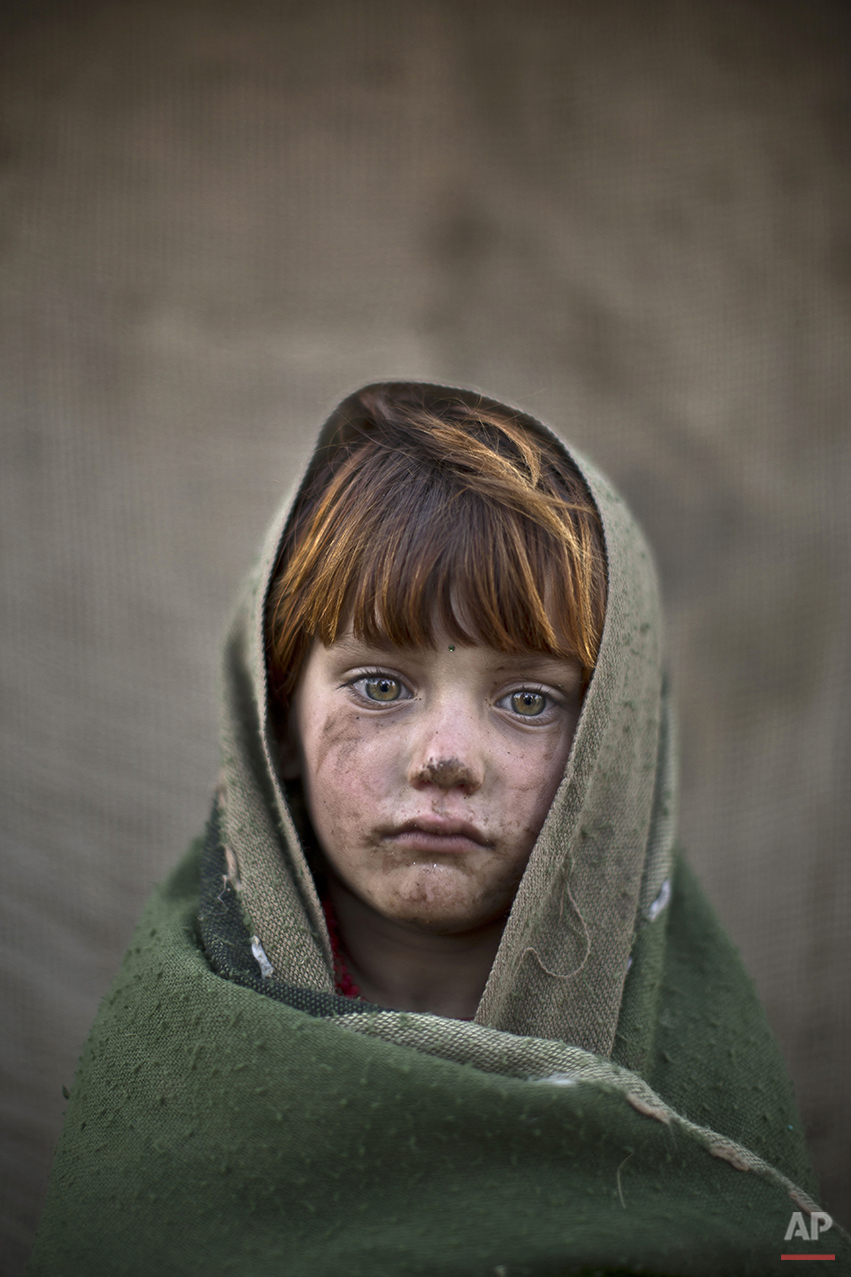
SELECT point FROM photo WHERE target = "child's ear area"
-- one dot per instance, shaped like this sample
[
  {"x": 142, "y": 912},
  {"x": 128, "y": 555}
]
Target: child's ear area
[
  {"x": 288, "y": 753},
  {"x": 289, "y": 760}
]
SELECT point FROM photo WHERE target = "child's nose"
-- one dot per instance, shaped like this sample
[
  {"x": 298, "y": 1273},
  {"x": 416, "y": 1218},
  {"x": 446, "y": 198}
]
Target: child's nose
[
  {"x": 448, "y": 753},
  {"x": 447, "y": 773}
]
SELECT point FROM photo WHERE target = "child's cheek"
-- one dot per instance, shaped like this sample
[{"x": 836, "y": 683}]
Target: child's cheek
[{"x": 352, "y": 764}]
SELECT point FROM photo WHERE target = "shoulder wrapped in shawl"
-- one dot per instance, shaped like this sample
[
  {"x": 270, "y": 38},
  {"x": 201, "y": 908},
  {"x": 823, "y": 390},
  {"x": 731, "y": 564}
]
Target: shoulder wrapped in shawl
[{"x": 618, "y": 1104}]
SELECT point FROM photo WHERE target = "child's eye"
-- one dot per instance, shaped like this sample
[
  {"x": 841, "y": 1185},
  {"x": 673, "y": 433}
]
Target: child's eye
[
  {"x": 380, "y": 687},
  {"x": 529, "y": 703}
]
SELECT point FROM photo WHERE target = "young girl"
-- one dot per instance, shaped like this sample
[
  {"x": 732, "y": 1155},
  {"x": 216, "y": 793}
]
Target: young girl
[{"x": 435, "y": 993}]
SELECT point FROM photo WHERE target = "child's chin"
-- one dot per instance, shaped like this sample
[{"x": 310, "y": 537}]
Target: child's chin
[{"x": 437, "y": 908}]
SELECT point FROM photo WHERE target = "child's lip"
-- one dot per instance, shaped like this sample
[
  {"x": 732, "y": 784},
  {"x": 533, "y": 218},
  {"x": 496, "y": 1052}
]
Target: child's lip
[{"x": 434, "y": 832}]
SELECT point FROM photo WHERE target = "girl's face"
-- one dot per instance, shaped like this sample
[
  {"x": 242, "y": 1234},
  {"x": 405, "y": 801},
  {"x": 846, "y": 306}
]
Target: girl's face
[{"x": 428, "y": 773}]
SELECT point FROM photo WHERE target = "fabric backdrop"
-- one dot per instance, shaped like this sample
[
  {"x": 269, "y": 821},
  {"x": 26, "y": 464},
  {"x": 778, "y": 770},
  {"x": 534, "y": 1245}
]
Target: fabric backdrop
[{"x": 217, "y": 218}]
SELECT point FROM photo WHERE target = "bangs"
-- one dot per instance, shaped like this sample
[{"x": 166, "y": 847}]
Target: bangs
[
  {"x": 464, "y": 569},
  {"x": 472, "y": 530}
]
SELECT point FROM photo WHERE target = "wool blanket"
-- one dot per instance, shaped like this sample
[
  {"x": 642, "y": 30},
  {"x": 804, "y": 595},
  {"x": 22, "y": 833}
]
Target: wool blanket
[{"x": 222, "y": 1121}]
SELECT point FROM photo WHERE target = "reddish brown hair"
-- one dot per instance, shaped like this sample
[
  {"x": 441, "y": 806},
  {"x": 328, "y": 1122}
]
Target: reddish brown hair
[{"x": 436, "y": 516}]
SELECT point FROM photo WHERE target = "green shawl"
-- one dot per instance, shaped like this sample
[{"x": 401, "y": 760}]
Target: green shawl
[{"x": 617, "y": 1106}]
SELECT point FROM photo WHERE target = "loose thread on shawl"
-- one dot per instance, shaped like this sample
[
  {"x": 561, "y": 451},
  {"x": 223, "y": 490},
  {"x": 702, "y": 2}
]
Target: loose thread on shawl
[
  {"x": 618, "y": 1177},
  {"x": 586, "y": 935}
]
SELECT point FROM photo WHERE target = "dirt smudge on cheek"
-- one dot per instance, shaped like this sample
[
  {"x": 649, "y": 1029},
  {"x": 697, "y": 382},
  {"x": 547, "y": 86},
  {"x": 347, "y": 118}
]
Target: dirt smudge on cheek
[{"x": 340, "y": 738}]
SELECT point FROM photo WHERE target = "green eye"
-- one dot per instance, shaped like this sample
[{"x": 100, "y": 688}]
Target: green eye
[
  {"x": 529, "y": 704},
  {"x": 382, "y": 689}
]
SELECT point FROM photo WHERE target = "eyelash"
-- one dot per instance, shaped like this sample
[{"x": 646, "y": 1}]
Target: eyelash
[{"x": 551, "y": 702}]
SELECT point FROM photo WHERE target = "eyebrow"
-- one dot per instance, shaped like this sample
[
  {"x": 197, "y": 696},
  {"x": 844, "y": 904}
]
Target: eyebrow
[
  {"x": 537, "y": 659},
  {"x": 356, "y": 647}
]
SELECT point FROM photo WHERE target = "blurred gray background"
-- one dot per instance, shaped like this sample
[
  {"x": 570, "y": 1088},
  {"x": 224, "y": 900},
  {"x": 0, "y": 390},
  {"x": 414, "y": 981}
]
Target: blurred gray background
[{"x": 217, "y": 218}]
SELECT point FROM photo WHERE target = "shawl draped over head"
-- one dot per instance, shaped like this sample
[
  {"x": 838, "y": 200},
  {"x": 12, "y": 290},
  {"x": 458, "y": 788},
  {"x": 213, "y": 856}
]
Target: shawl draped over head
[{"x": 617, "y": 1105}]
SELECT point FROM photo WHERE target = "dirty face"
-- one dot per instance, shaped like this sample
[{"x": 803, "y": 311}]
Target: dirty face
[{"x": 428, "y": 773}]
